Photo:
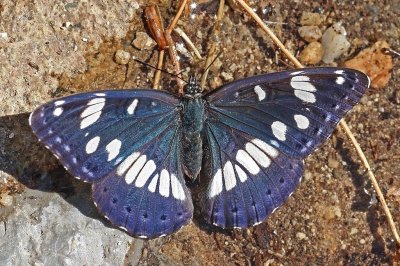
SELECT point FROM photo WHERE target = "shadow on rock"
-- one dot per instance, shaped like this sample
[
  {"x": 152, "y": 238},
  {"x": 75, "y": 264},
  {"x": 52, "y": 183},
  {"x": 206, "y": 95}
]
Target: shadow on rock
[{"x": 28, "y": 161}]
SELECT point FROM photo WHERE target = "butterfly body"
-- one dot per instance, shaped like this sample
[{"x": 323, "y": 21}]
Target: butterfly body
[
  {"x": 193, "y": 117},
  {"x": 248, "y": 139}
]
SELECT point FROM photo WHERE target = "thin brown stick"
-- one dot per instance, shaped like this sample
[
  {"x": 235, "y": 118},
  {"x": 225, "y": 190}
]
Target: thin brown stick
[
  {"x": 157, "y": 75},
  {"x": 371, "y": 176},
  {"x": 213, "y": 46},
  {"x": 342, "y": 122},
  {"x": 177, "y": 17}
]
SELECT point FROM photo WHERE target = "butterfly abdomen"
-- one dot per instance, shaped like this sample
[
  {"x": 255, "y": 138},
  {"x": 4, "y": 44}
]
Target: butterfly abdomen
[{"x": 191, "y": 145}]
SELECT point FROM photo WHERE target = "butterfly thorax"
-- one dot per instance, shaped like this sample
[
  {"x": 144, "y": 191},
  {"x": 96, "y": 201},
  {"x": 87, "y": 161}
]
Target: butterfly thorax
[{"x": 192, "y": 127}]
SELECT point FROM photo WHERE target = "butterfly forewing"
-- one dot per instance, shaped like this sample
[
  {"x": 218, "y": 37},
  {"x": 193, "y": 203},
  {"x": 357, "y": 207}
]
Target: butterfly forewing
[
  {"x": 261, "y": 128},
  {"x": 127, "y": 143}
]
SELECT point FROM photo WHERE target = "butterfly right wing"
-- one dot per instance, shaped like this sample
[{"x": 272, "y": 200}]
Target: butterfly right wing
[
  {"x": 260, "y": 129},
  {"x": 125, "y": 142}
]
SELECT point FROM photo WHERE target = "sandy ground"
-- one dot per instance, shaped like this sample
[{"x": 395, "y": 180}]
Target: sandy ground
[{"x": 56, "y": 49}]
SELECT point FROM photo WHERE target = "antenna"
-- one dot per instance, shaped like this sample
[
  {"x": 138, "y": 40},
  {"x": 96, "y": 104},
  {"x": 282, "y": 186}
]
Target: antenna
[
  {"x": 205, "y": 73},
  {"x": 162, "y": 70}
]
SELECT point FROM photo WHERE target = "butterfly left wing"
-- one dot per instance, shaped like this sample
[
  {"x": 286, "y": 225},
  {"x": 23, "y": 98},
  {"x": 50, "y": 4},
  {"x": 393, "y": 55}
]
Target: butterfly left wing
[
  {"x": 260, "y": 129},
  {"x": 125, "y": 142}
]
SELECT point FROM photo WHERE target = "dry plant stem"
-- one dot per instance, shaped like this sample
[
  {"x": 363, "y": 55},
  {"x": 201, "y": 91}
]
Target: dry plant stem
[
  {"x": 153, "y": 20},
  {"x": 213, "y": 47},
  {"x": 177, "y": 16},
  {"x": 157, "y": 75},
  {"x": 175, "y": 61},
  {"x": 270, "y": 33},
  {"x": 342, "y": 123},
  {"x": 188, "y": 42},
  {"x": 171, "y": 45},
  {"x": 371, "y": 176}
]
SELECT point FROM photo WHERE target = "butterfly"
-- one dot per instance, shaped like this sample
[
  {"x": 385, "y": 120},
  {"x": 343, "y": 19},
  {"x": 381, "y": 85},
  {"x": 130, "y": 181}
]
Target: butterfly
[{"x": 247, "y": 140}]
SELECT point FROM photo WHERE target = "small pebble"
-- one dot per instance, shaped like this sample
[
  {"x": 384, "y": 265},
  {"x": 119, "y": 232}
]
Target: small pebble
[
  {"x": 353, "y": 231},
  {"x": 334, "y": 43},
  {"x": 312, "y": 54},
  {"x": 308, "y": 175},
  {"x": 143, "y": 41},
  {"x": 122, "y": 57},
  {"x": 227, "y": 76},
  {"x": 310, "y": 19},
  {"x": 362, "y": 241},
  {"x": 301, "y": 235},
  {"x": 3, "y": 37},
  {"x": 310, "y": 33}
]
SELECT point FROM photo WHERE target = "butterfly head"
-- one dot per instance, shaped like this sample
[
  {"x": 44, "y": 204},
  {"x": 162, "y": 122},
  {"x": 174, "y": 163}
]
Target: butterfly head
[{"x": 192, "y": 89}]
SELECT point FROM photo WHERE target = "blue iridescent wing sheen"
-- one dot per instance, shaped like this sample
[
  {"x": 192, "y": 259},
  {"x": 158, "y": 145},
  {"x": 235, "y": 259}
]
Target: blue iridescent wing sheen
[
  {"x": 125, "y": 142},
  {"x": 259, "y": 130}
]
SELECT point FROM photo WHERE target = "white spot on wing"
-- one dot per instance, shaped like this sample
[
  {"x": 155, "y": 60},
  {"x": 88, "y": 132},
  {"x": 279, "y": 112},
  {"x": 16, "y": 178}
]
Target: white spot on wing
[
  {"x": 135, "y": 169},
  {"x": 132, "y": 107},
  {"x": 144, "y": 175},
  {"x": 229, "y": 176},
  {"x": 258, "y": 155},
  {"x": 260, "y": 93},
  {"x": 339, "y": 72},
  {"x": 89, "y": 120},
  {"x": 164, "y": 183},
  {"x": 245, "y": 159},
  {"x": 58, "y": 111},
  {"x": 305, "y": 96},
  {"x": 296, "y": 73},
  {"x": 340, "y": 80},
  {"x": 279, "y": 130},
  {"x": 91, "y": 109},
  {"x": 58, "y": 103},
  {"x": 303, "y": 88},
  {"x": 302, "y": 83},
  {"x": 113, "y": 149},
  {"x": 216, "y": 184},
  {"x": 242, "y": 175},
  {"x": 96, "y": 101},
  {"x": 302, "y": 121},
  {"x": 153, "y": 184},
  {"x": 92, "y": 145},
  {"x": 100, "y": 94},
  {"x": 93, "y": 112},
  {"x": 177, "y": 189},
  {"x": 268, "y": 149},
  {"x": 123, "y": 167}
]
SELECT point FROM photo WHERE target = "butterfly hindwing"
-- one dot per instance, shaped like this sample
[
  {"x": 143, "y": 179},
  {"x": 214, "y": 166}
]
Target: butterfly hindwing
[
  {"x": 259, "y": 130},
  {"x": 127, "y": 143},
  {"x": 249, "y": 178}
]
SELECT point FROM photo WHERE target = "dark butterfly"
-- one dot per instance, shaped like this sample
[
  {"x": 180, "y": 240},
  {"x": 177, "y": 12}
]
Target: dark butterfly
[{"x": 248, "y": 138}]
